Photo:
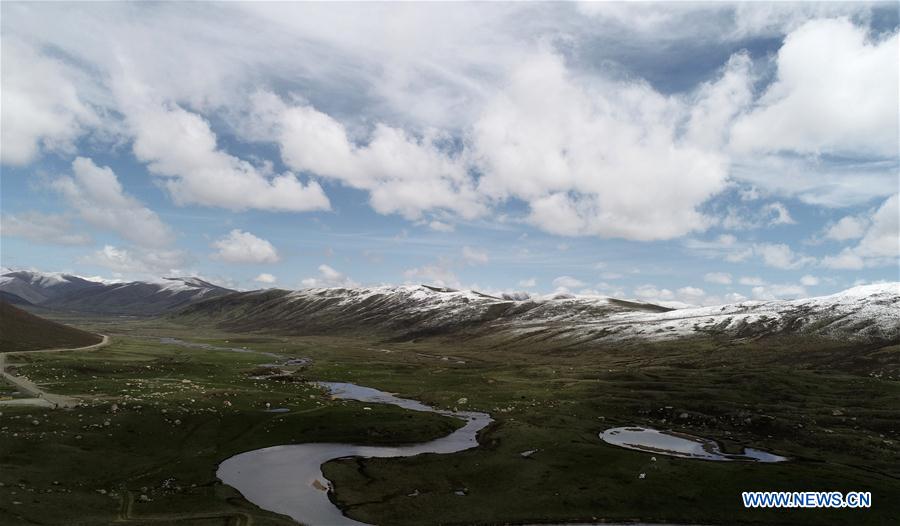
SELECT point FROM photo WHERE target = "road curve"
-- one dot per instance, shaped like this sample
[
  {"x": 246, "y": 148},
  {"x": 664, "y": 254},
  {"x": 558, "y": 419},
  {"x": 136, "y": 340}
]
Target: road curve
[{"x": 41, "y": 397}]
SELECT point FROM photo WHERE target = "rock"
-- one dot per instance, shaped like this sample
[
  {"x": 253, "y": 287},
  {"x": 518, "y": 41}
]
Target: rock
[
  {"x": 461, "y": 492},
  {"x": 837, "y": 412},
  {"x": 462, "y": 401},
  {"x": 35, "y": 422},
  {"x": 642, "y": 476},
  {"x": 144, "y": 498},
  {"x": 683, "y": 416},
  {"x": 413, "y": 494},
  {"x": 527, "y": 454}
]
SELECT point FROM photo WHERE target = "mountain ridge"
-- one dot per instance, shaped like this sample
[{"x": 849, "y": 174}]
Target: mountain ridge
[
  {"x": 68, "y": 292},
  {"x": 867, "y": 313}
]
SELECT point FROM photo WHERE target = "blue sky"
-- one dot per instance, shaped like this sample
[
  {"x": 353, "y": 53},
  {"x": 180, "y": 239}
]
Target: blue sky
[{"x": 678, "y": 153}]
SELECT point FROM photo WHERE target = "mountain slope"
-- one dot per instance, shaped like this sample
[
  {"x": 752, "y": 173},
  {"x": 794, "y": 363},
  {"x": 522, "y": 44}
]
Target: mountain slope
[
  {"x": 868, "y": 313},
  {"x": 23, "y": 331},
  {"x": 67, "y": 292},
  {"x": 406, "y": 311}
]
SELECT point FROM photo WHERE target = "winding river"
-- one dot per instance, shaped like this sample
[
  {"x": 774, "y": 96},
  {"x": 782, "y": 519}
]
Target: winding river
[{"x": 288, "y": 479}]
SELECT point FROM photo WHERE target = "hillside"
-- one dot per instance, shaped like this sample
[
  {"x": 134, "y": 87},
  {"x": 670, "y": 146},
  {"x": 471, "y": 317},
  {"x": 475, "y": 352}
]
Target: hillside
[
  {"x": 23, "y": 331},
  {"x": 66, "y": 292},
  {"x": 868, "y": 313}
]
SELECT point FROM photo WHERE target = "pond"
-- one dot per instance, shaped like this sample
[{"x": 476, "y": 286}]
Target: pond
[{"x": 681, "y": 445}]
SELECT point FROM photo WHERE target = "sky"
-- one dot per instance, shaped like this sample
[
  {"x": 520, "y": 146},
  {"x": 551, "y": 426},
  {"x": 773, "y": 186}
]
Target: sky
[{"x": 680, "y": 153}]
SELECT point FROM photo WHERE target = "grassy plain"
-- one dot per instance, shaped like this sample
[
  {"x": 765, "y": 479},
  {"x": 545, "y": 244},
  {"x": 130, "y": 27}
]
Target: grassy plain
[{"x": 180, "y": 411}]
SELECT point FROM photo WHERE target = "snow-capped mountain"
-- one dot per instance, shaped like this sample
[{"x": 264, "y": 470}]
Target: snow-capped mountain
[
  {"x": 61, "y": 291},
  {"x": 862, "y": 313}
]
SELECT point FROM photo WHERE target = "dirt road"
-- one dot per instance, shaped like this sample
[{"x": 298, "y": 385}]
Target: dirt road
[{"x": 41, "y": 397}]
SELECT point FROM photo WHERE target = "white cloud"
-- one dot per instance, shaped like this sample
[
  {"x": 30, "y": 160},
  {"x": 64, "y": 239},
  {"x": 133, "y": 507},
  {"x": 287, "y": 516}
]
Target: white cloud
[
  {"x": 778, "y": 292},
  {"x": 437, "y": 274},
  {"x": 780, "y": 255},
  {"x": 265, "y": 278},
  {"x": 879, "y": 245},
  {"x": 475, "y": 256},
  {"x": 528, "y": 283},
  {"x": 42, "y": 228},
  {"x": 403, "y": 174},
  {"x": 180, "y": 146},
  {"x": 683, "y": 296},
  {"x": 328, "y": 277},
  {"x": 771, "y": 214},
  {"x": 440, "y": 226},
  {"x": 138, "y": 261},
  {"x": 98, "y": 197},
  {"x": 593, "y": 158},
  {"x": 568, "y": 282},
  {"x": 809, "y": 281},
  {"x": 848, "y": 227},
  {"x": 722, "y": 278},
  {"x": 751, "y": 281},
  {"x": 41, "y": 107},
  {"x": 244, "y": 247},
  {"x": 835, "y": 91},
  {"x": 651, "y": 293}
]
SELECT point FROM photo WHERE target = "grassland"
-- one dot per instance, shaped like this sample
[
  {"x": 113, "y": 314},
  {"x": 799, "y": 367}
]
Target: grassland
[{"x": 157, "y": 420}]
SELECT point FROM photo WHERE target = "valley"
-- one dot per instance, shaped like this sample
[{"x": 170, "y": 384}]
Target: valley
[{"x": 157, "y": 419}]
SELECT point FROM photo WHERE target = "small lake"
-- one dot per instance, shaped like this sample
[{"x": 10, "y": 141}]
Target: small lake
[
  {"x": 288, "y": 479},
  {"x": 679, "y": 445}
]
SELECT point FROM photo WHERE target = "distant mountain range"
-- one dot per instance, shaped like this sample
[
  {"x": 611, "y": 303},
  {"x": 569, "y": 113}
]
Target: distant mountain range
[
  {"x": 66, "y": 292},
  {"x": 866, "y": 313}
]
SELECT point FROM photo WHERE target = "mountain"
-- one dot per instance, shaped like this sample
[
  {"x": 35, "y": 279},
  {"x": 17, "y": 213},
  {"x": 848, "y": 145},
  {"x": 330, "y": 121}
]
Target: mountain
[
  {"x": 868, "y": 313},
  {"x": 23, "y": 331},
  {"x": 407, "y": 311},
  {"x": 66, "y": 292}
]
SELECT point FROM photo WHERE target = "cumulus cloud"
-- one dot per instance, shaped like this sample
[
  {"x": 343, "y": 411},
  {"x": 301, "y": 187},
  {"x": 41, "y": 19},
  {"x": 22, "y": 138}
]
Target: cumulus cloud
[
  {"x": 722, "y": 278},
  {"x": 528, "y": 283},
  {"x": 835, "y": 91},
  {"x": 751, "y": 281},
  {"x": 42, "y": 109},
  {"x": 98, "y": 197},
  {"x": 848, "y": 227},
  {"x": 243, "y": 247},
  {"x": 266, "y": 278},
  {"x": 403, "y": 173},
  {"x": 440, "y": 226},
  {"x": 43, "y": 228},
  {"x": 778, "y": 292},
  {"x": 878, "y": 246},
  {"x": 568, "y": 282},
  {"x": 809, "y": 281},
  {"x": 138, "y": 260},
  {"x": 687, "y": 296},
  {"x": 593, "y": 157},
  {"x": 328, "y": 277},
  {"x": 181, "y": 147},
  {"x": 436, "y": 274},
  {"x": 780, "y": 255}
]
